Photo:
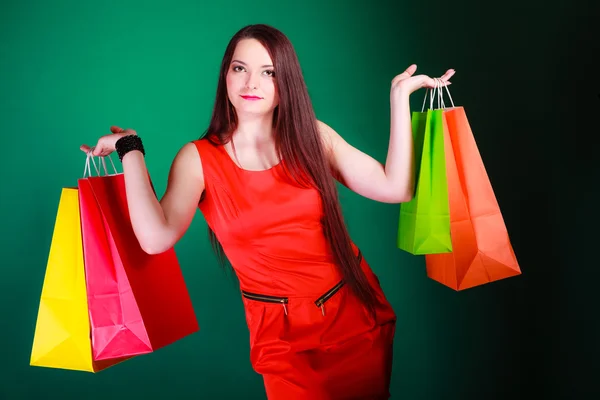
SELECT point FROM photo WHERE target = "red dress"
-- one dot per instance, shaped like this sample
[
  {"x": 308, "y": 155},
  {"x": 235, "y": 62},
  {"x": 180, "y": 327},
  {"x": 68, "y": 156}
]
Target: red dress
[{"x": 310, "y": 338}]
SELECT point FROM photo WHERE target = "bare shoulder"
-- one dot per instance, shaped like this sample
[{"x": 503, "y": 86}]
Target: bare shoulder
[
  {"x": 185, "y": 186},
  {"x": 329, "y": 137},
  {"x": 334, "y": 146},
  {"x": 187, "y": 162}
]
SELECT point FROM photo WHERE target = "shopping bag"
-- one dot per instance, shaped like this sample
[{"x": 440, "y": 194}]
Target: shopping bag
[
  {"x": 482, "y": 251},
  {"x": 138, "y": 302},
  {"x": 62, "y": 330},
  {"x": 424, "y": 221}
]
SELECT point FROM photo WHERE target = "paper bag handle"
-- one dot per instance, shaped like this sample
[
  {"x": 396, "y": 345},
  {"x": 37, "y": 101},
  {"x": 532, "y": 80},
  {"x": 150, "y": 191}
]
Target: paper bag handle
[
  {"x": 87, "y": 169},
  {"x": 437, "y": 91}
]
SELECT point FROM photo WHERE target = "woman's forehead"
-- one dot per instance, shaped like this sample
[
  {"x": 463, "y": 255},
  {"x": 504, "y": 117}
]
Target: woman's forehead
[{"x": 252, "y": 52}]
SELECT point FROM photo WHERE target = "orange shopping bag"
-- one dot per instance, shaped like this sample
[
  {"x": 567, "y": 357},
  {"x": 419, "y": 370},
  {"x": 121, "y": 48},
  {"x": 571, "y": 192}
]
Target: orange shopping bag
[{"x": 482, "y": 251}]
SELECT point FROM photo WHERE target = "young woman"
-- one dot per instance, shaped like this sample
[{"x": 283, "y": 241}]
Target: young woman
[{"x": 263, "y": 177}]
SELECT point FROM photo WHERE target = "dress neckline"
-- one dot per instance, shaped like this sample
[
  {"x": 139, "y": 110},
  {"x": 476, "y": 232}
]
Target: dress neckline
[{"x": 255, "y": 171}]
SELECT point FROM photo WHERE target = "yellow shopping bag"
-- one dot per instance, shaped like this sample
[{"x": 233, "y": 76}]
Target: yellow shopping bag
[{"x": 62, "y": 331}]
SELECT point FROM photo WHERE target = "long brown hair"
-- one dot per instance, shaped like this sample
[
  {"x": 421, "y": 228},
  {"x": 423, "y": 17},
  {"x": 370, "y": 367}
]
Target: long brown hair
[{"x": 298, "y": 143}]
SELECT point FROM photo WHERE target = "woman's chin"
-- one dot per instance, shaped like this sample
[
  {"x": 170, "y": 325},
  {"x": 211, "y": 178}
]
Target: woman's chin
[{"x": 253, "y": 109}]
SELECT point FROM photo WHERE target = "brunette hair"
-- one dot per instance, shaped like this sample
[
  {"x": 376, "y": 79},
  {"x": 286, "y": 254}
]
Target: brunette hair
[{"x": 298, "y": 143}]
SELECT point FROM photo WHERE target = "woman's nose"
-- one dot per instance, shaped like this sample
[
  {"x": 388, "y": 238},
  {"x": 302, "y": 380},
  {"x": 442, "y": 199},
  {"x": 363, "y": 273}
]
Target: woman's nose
[{"x": 251, "y": 83}]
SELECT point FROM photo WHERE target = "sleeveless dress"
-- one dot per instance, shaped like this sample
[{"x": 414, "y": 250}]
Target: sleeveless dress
[{"x": 310, "y": 337}]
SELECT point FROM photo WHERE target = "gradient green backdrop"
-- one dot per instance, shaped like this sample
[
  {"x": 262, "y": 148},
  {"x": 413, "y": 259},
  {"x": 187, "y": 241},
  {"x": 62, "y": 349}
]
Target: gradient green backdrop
[{"x": 69, "y": 70}]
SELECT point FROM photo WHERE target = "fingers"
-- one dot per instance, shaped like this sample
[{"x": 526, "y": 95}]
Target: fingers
[
  {"x": 441, "y": 81},
  {"x": 408, "y": 72},
  {"x": 431, "y": 83},
  {"x": 105, "y": 145},
  {"x": 449, "y": 74},
  {"x": 411, "y": 69},
  {"x": 116, "y": 129},
  {"x": 425, "y": 80},
  {"x": 94, "y": 151}
]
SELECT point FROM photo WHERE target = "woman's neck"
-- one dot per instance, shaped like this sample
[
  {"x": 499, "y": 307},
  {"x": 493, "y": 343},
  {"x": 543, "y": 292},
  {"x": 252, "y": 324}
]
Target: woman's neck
[{"x": 254, "y": 129}]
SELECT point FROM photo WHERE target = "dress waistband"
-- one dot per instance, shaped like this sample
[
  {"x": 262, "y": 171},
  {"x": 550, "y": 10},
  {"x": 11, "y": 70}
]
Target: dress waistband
[{"x": 319, "y": 302}]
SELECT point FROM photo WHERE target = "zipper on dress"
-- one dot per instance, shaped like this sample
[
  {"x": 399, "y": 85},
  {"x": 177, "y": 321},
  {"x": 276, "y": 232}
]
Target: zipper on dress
[
  {"x": 267, "y": 299},
  {"x": 320, "y": 302}
]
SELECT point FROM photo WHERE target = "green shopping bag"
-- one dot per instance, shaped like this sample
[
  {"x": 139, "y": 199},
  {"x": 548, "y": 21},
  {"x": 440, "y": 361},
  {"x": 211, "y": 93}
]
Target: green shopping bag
[{"x": 424, "y": 225}]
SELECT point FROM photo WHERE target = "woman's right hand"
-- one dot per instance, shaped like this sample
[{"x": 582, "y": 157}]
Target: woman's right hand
[{"x": 106, "y": 144}]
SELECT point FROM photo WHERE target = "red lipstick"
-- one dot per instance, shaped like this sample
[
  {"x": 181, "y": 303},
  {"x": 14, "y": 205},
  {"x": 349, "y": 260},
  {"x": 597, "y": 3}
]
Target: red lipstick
[{"x": 251, "y": 98}]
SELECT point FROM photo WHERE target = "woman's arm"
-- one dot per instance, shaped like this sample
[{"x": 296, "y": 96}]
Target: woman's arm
[
  {"x": 394, "y": 181},
  {"x": 158, "y": 225},
  {"x": 361, "y": 173}
]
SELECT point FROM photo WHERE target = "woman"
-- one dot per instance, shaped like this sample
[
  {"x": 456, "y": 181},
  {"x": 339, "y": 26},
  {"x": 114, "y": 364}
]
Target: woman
[{"x": 263, "y": 177}]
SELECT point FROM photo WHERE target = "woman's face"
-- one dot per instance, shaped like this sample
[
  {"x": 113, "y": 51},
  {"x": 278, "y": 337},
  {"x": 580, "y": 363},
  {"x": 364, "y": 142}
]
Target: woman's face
[{"x": 251, "y": 79}]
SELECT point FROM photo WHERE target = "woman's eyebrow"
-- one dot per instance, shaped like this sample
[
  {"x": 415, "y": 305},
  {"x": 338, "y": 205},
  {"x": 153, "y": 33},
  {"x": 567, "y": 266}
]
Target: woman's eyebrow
[{"x": 243, "y": 63}]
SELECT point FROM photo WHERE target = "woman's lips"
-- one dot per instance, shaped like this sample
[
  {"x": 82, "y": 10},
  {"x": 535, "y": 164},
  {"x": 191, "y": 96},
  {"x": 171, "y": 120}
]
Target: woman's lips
[{"x": 251, "y": 98}]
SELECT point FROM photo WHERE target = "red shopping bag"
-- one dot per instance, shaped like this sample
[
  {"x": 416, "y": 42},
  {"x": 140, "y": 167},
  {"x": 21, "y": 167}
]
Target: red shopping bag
[
  {"x": 137, "y": 302},
  {"x": 481, "y": 248}
]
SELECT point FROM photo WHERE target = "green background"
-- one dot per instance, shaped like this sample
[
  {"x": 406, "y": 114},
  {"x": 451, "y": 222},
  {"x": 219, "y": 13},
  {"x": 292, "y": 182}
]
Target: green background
[{"x": 68, "y": 71}]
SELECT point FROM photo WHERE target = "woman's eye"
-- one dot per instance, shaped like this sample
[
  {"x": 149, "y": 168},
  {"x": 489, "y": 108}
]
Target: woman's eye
[
  {"x": 270, "y": 72},
  {"x": 237, "y": 68}
]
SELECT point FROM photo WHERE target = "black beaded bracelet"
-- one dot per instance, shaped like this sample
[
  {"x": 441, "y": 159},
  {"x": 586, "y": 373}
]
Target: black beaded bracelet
[{"x": 129, "y": 143}]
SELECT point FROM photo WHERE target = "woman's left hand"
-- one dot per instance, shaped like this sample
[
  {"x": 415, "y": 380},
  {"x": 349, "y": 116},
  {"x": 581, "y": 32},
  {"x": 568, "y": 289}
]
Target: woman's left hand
[{"x": 407, "y": 82}]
